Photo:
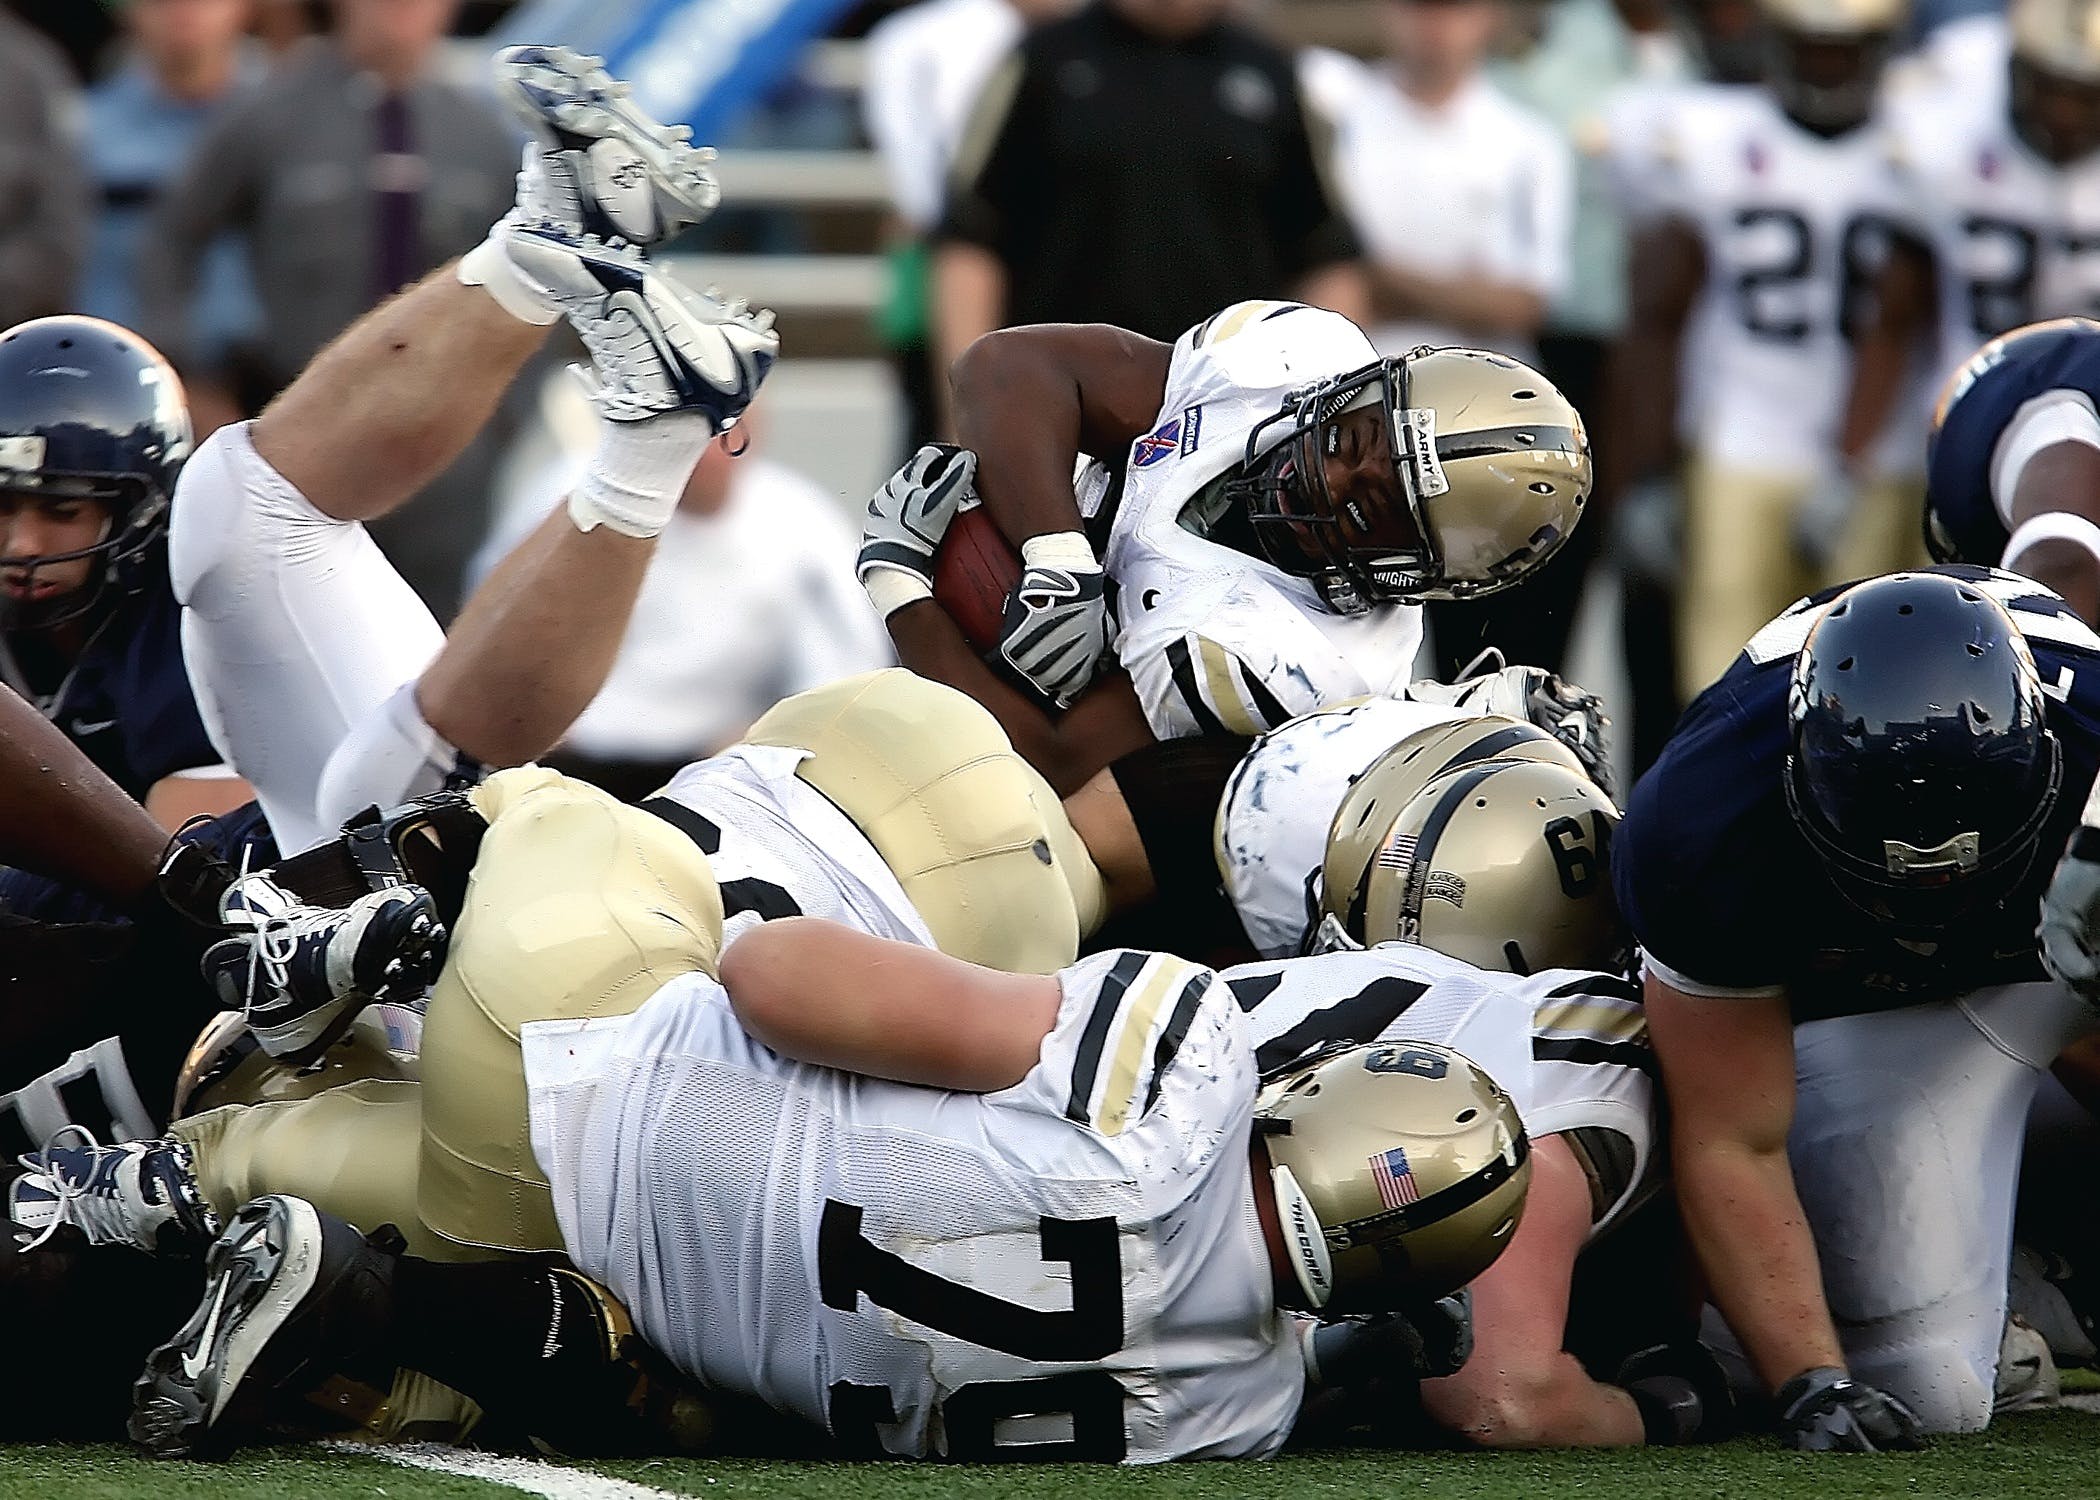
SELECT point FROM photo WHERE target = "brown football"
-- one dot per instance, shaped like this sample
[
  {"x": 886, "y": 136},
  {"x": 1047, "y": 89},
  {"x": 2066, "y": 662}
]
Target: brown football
[{"x": 973, "y": 572}]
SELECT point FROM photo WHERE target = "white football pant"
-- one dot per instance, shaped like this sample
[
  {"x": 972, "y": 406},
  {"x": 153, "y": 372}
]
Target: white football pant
[
  {"x": 303, "y": 646},
  {"x": 1906, "y": 1150}
]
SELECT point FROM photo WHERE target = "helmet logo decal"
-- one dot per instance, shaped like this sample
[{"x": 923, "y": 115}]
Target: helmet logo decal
[
  {"x": 1418, "y": 441},
  {"x": 1394, "y": 1179},
  {"x": 1960, "y": 855},
  {"x": 23, "y": 453}
]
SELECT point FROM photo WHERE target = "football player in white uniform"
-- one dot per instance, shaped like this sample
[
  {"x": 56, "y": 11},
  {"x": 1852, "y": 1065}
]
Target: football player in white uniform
[
  {"x": 1571, "y": 1048},
  {"x": 1271, "y": 499},
  {"x": 899, "y": 1144},
  {"x": 2001, "y": 197},
  {"x": 1768, "y": 223}
]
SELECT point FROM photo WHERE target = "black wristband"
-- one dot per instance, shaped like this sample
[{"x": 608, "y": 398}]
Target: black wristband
[{"x": 1670, "y": 1408}]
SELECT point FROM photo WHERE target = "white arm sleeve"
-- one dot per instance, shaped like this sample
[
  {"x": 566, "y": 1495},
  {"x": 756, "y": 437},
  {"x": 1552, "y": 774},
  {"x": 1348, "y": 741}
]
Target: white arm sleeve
[{"x": 2053, "y": 417}]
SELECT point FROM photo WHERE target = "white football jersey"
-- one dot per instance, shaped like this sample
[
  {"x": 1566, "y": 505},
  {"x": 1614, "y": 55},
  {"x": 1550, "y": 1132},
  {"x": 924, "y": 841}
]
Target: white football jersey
[
  {"x": 1280, "y": 800},
  {"x": 1069, "y": 1268},
  {"x": 1569, "y": 1047},
  {"x": 780, "y": 848},
  {"x": 1215, "y": 639},
  {"x": 1795, "y": 228},
  {"x": 2015, "y": 239}
]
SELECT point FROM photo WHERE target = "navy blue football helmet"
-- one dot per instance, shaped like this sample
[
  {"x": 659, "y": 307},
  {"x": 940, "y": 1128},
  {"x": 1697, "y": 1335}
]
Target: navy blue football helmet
[
  {"x": 90, "y": 411},
  {"x": 1920, "y": 766}
]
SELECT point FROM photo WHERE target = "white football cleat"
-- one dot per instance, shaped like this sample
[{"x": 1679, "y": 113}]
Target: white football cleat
[
  {"x": 138, "y": 1193},
  {"x": 605, "y": 167},
  {"x": 656, "y": 345}
]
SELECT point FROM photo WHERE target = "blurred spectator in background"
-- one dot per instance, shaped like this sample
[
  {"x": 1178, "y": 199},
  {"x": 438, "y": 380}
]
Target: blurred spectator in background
[
  {"x": 750, "y": 598},
  {"x": 1142, "y": 163},
  {"x": 926, "y": 65},
  {"x": 1588, "y": 54},
  {"x": 186, "y": 61},
  {"x": 43, "y": 233},
  {"x": 1775, "y": 204},
  {"x": 1462, "y": 199},
  {"x": 350, "y": 172}
]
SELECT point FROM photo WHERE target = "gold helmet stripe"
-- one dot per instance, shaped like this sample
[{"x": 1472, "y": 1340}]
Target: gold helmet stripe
[{"x": 1416, "y": 891}]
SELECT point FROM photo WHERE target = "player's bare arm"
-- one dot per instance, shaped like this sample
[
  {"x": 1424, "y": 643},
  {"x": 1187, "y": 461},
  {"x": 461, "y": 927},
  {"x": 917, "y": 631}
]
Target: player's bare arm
[
  {"x": 1029, "y": 400},
  {"x": 2063, "y": 478},
  {"x": 1728, "y": 1072},
  {"x": 826, "y": 994},
  {"x": 1477, "y": 304},
  {"x": 1667, "y": 269},
  {"x": 1903, "y": 311},
  {"x": 1521, "y": 1389},
  {"x": 1067, "y": 748},
  {"x": 61, "y": 816}
]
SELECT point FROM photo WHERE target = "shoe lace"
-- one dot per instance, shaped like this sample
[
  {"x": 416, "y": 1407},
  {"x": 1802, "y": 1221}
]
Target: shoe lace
[
  {"x": 271, "y": 948},
  {"x": 81, "y": 1204}
]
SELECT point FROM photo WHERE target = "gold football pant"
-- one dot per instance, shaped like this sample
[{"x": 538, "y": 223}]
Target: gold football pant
[
  {"x": 976, "y": 837},
  {"x": 579, "y": 907},
  {"x": 1740, "y": 566}
]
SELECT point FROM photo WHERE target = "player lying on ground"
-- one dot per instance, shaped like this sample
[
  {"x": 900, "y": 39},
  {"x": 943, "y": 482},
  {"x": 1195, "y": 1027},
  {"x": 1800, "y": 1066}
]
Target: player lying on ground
[
  {"x": 319, "y": 673},
  {"x": 1112, "y": 1133},
  {"x": 1273, "y": 498},
  {"x": 1834, "y": 872}
]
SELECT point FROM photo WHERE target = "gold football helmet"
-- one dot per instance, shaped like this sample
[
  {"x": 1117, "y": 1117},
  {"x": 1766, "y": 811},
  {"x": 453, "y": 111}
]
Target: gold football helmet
[
  {"x": 1479, "y": 469},
  {"x": 1375, "y": 798},
  {"x": 1501, "y": 863},
  {"x": 1399, "y": 1171},
  {"x": 2055, "y": 77},
  {"x": 226, "y": 1065},
  {"x": 1826, "y": 57}
]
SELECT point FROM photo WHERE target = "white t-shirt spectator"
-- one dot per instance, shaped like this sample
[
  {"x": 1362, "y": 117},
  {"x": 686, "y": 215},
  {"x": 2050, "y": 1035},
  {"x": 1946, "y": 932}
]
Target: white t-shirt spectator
[
  {"x": 1477, "y": 185},
  {"x": 925, "y": 67},
  {"x": 739, "y": 610}
]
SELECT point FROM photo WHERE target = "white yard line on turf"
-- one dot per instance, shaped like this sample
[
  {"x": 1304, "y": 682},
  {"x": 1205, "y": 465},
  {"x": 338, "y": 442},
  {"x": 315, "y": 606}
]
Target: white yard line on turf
[{"x": 554, "y": 1481}]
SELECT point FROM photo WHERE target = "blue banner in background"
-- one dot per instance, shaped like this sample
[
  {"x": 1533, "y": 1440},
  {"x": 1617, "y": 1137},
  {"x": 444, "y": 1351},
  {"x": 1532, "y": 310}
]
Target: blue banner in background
[{"x": 702, "y": 63}]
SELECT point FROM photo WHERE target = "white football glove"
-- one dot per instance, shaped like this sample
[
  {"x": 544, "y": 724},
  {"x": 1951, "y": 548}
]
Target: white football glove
[
  {"x": 1822, "y": 518},
  {"x": 906, "y": 521},
  {"x": 1056, "y": 630},
  {"x": 1572, "y": 715},
  {"x": 2070, "y": 930}
]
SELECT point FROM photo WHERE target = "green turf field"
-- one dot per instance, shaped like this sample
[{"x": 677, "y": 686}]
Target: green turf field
[{"x": 2032, "y": 1457}]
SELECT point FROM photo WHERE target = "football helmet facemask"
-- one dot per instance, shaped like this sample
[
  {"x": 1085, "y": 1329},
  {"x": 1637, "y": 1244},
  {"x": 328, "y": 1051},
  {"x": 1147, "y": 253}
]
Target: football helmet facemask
[
  {"x": 90, "y": 411},
  {"x": 2054, "y": 78},
  {"x": 1824, "y": 58},
  {"x": 1441, "y": 474},
  {"x": 1398, "y": 1170},
  {"x": 1920, "y": 765}
]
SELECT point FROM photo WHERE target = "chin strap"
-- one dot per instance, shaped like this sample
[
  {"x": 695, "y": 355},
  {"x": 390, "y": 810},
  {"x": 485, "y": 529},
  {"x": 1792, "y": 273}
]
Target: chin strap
[{"x": 1304, "y": 1242}]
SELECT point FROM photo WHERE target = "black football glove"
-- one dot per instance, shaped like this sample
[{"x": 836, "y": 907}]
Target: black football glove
[
  {"x": 1826, "y": 1411},
  {"x": 1426, "y": 1342}
]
